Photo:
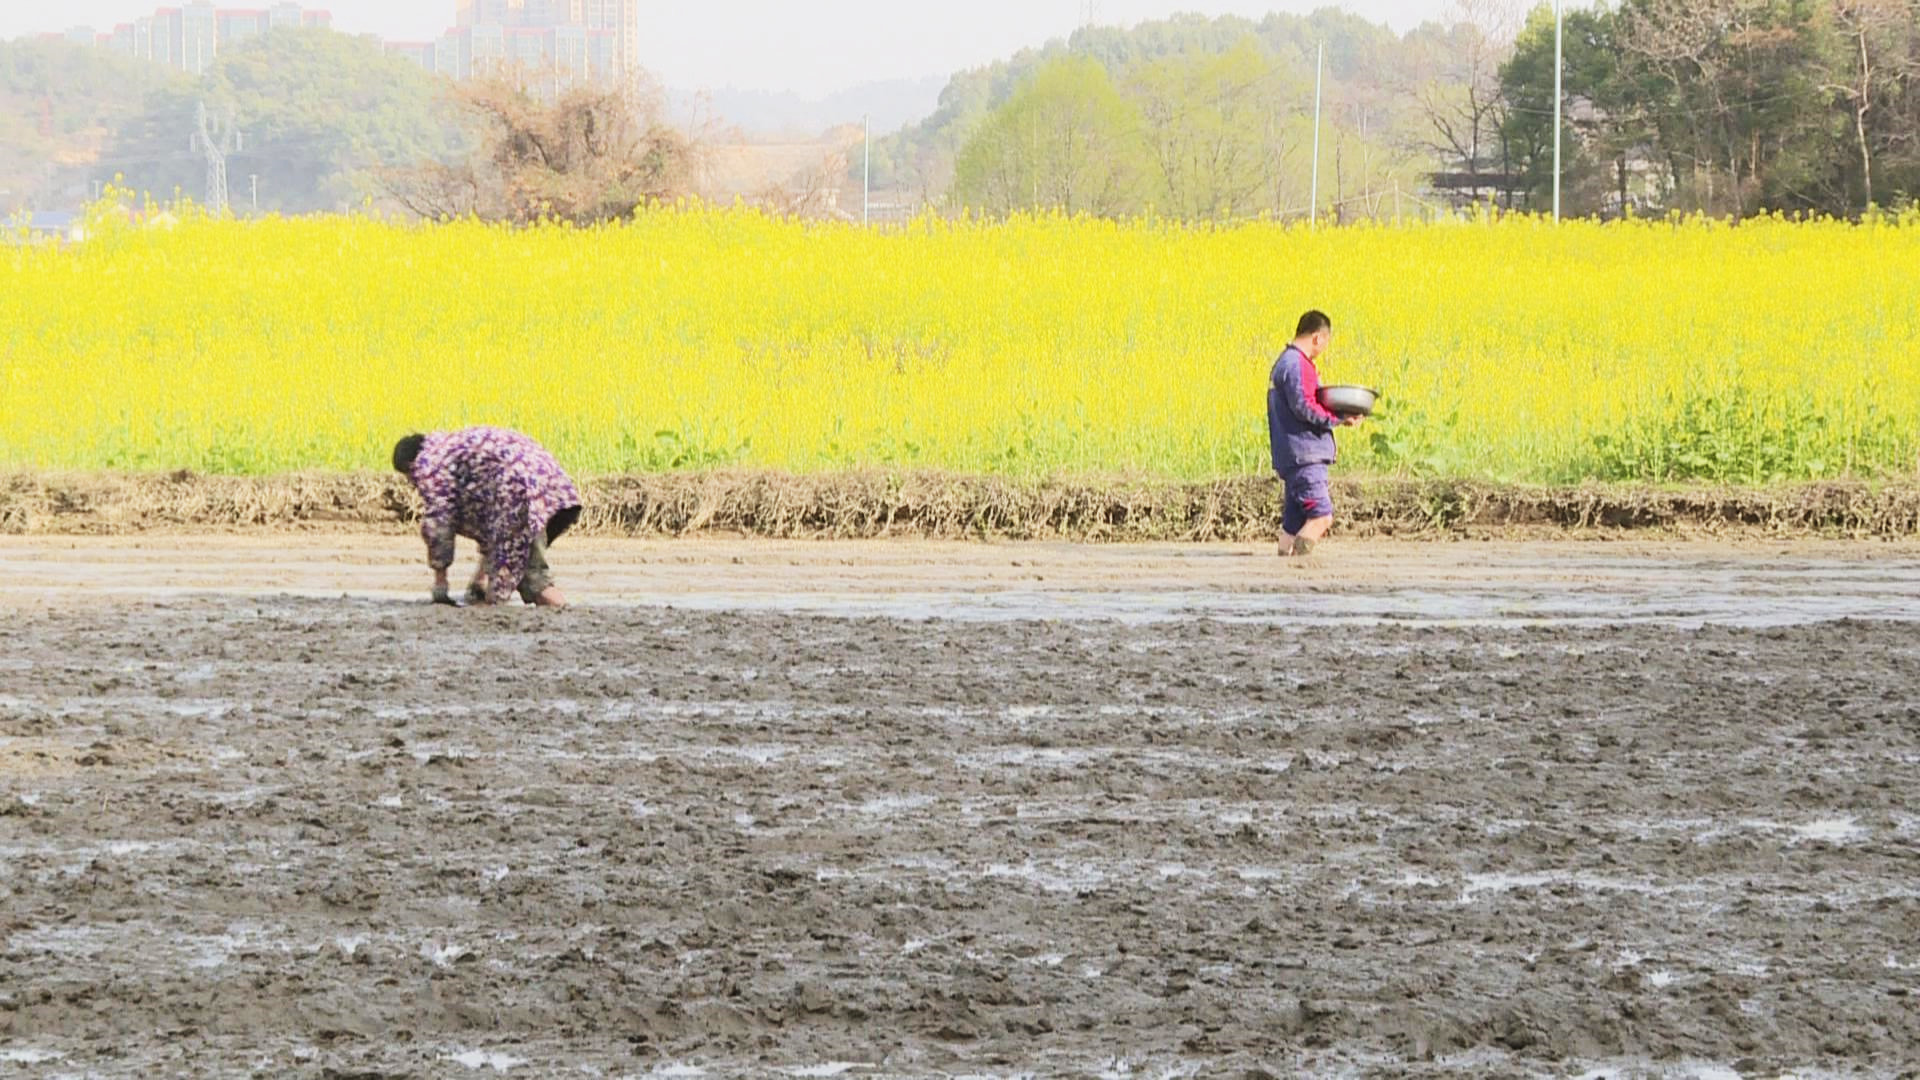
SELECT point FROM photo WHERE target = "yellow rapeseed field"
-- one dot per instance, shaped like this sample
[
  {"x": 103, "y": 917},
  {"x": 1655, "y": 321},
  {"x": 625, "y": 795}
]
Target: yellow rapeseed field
[{"x": 697, "y": 337}]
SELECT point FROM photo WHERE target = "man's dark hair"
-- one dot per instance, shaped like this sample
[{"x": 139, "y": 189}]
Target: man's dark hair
[
  {"x": 1312, "y": 323},
  {"x": 405, "y": 451}
]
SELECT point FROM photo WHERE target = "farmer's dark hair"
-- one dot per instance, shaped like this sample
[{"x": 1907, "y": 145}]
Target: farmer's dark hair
[
  {"x": 1312, "y": 323},
  {"x": 405, "y": 451}
]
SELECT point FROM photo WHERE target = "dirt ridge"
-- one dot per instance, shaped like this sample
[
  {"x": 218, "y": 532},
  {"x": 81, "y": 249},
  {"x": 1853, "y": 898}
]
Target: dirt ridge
[{"x": 872, "y": 504}]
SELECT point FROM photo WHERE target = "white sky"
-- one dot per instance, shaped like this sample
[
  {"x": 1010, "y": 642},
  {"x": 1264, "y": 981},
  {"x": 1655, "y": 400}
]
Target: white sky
[{"x": 812, "y": 47}]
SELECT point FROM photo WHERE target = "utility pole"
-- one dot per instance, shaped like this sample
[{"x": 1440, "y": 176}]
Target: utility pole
[
  {"x": 1319, "y": 68},
  {"x": 1366, "y": 166},
  {"x": 1559, "y": 67},
  {"x": 866, "y": 176},
  {"x": 253, "y": 181}
]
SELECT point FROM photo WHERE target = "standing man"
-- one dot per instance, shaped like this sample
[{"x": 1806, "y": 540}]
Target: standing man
[
  {"x": 1301, "y": 431},
  {"x": 500, "y": 489}
]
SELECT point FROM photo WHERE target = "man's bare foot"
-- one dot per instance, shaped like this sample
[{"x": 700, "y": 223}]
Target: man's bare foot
[
  {"x": 1302, "y": 547},
  {"x": 551, "y": 597}
]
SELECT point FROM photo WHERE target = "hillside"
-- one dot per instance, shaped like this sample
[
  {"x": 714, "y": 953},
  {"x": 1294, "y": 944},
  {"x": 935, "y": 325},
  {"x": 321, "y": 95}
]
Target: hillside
[
  {"x": 60, "y": 105},
  {"x": 321, "y": 111}
]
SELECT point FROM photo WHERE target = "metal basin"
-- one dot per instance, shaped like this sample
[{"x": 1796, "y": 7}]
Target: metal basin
[{"x": 1348, "y": 400}]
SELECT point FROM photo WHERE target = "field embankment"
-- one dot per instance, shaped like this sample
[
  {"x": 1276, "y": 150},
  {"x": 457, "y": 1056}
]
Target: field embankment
[{"x": 873, "y": 504}]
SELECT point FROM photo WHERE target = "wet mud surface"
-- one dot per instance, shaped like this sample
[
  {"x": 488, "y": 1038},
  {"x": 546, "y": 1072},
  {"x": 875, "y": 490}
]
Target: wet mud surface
[{"x": 260, "y": 835}]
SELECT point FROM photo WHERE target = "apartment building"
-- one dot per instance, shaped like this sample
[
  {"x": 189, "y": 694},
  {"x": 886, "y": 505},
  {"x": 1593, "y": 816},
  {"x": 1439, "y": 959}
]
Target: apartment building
[
  {"x": 189, "y": 36},
  {"x": 559, "y": 43}
]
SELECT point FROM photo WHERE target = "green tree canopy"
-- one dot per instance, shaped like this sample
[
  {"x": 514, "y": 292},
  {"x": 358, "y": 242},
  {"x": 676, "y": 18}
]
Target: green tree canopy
[
  {"x": 1725, "y": 106},
  {"x": 1065, "y": 140}
]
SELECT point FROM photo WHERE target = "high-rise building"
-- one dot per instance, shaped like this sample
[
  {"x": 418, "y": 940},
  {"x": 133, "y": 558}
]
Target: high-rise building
[
  {"x": 446, "y": 55},
  {"x": 188, "y": 37},
  {"x": 470, "y": 13},
  {"x": 239, "y": 24},
  {"x": 622, "y": 17},
  {"x": 553, "y": 12},
  {"x": 561, "y": 42},
  {"x": 198, "y": 30},
  {"x": 556, "y": 44}
]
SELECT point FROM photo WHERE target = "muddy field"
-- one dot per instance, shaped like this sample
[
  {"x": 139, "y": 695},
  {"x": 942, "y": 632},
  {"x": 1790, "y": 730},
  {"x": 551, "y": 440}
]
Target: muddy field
[{"x": 913, "y": 810}]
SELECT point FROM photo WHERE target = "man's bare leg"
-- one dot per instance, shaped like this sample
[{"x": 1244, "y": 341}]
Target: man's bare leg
[
  {"x": 1310, "y": 534},
  {"x": 551, "y": 596}
]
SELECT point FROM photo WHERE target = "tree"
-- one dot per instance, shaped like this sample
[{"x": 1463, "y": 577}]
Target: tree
[
  {"x": 1607, "y": 135},
  {"x": 1874, "y": 56},
  {"x": 1462, "y": 97},
  {"x": 593, "y": 155},
  {"x": 1213, "y": 127},
  {"x": 1065, "y": 141},
  {"x": 1741, "y": 118}
]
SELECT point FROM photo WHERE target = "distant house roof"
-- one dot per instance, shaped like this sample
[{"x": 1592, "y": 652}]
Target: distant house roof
[{"x": 52, "y": 221}]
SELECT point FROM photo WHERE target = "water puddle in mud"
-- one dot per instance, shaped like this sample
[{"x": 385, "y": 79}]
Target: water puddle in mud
[
  {"x": 1637, "y": 1069},
  {"x": 480, "y": 1059}
]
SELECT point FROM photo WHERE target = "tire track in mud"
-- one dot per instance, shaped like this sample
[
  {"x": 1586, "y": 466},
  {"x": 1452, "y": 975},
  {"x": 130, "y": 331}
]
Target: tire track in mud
[{"x": 355, "y": 838}]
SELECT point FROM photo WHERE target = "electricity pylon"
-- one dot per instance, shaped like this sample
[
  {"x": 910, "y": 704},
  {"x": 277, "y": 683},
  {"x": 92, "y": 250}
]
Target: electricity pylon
[{"x": 216, "y": 140}]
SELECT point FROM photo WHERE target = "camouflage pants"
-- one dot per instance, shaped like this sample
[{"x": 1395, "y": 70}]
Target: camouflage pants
[{"x": 539, "y": 575}]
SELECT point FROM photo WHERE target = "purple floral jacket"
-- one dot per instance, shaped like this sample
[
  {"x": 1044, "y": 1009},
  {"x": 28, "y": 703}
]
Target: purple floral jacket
[{"x": 496, "y": 487}]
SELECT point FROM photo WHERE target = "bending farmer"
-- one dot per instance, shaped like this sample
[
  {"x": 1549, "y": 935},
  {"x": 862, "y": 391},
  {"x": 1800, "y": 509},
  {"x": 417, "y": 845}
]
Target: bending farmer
[
  {"x": 500, "y": 489},
  {"x": 1301, "y": 431}
]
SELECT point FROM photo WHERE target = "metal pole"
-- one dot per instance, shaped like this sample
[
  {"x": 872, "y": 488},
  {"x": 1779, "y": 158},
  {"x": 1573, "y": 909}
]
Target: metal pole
[
  {"x": 1559, "y": 66},
  {"x": 866, "y": 179},
  {"x": 253, "y": 179},
  {"x": 1319, "y": 67}
]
